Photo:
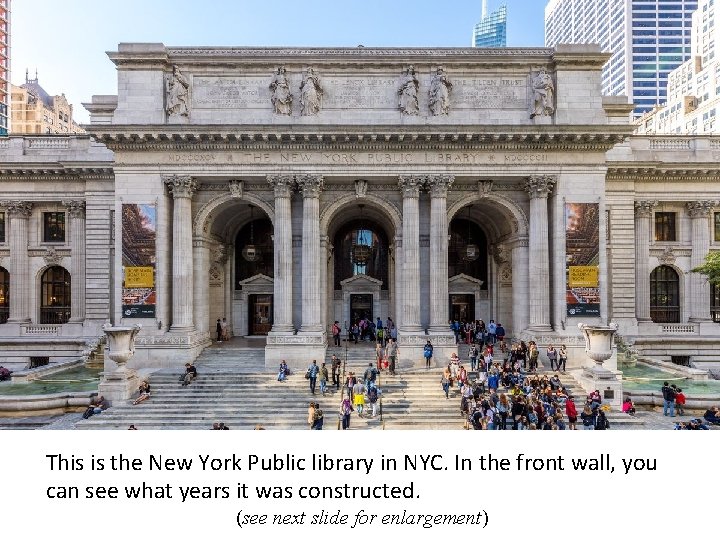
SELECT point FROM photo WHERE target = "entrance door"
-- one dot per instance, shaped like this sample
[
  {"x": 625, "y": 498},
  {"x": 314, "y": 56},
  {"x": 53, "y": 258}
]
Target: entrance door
[
  {"x": 462, "y": 307},
  {"x": 261, "y": 309},
  {"x": 361, "y": 306}
]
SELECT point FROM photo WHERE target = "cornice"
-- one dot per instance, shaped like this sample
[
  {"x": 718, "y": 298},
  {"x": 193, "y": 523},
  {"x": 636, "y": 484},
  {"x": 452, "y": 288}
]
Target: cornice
[
  {"x": 650, "y": 173},
  {"x": 30, "y": 172}
]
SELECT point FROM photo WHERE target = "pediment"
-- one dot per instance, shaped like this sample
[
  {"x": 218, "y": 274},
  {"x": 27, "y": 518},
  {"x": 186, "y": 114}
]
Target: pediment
[
  {"x": 257, "y": 279},
  {"x": 360, "y": 280},
  {"x": 463, "y": 280}
]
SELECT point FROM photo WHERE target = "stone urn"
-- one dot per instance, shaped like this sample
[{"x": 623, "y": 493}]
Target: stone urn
[
  {"x": 121, "y": 344},
  {"x": 598, "y": 341}
]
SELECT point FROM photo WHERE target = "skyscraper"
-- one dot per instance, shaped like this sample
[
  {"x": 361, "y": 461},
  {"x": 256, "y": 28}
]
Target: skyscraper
[
  {"x": 4, "y": 66},
  {"x": 491, "y": 31},
  {"x": 647, "y": 39}
]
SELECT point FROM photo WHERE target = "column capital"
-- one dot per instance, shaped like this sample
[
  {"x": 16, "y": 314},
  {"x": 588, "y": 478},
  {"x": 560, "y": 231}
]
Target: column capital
[
  {"x": 282, "y": 184},
  {"x": 181, "y": 187},
  {"x": 439, "y": 184},
  {"x": 17, "y": 209},
  {"x": 540, "y": 186},
  {"x": 410, "y": 185},
  {"x": 700, "y": 209},
  {"x": 644, "y": 208},
  {"x": 310, "y": 184},
  {"x": 76, "y": 209}
]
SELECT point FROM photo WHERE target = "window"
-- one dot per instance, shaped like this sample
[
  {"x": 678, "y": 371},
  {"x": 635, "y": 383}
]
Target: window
[
  {"x": 664, "y": 295},
  {"x": 4, "y": 295},
  {"x": 53, "y": 227},
  {"x": 55, "y": 296},
  {"x": 2, "y": 227},
  {"x": 715, "y": 303},
  {"x": 665, "y": 227},
  {"x": 717, "y": 226}
]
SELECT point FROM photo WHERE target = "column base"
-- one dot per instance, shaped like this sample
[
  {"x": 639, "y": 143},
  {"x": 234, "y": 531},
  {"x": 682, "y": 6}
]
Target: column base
[
  {"x": 699, "y": 319},
  {"x": 298, "y": 350},
  {"x": 540, "y": 328},
  {"x": 443, "y": 341},
  {"x": 119, "y": 386},
  {"x": 181, "y": 329}
]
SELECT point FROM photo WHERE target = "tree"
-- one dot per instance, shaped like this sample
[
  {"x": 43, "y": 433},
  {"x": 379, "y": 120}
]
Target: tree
[{"x": 711, "y": 267}]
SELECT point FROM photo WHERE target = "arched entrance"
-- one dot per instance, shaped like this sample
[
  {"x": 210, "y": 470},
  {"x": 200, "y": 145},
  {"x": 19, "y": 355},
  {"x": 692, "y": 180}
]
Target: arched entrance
[{"x": 4, "y": 295}]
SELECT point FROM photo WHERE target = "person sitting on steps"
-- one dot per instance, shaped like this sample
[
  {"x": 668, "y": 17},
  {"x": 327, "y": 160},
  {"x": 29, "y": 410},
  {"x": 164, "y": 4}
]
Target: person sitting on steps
[
  {"x": 144, "y": 391},
  {"x": 190, "y": 374}
]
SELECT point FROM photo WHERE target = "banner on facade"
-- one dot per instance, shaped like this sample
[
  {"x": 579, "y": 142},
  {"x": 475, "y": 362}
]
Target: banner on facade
[
  {"x": 582, "y": 250},
  {"x": 139, "y": 230}
]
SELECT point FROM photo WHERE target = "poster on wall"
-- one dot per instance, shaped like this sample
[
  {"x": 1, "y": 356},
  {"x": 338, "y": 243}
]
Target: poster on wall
[
  {"x": 139, "y": 229},
  {"x": 582, "y": 261}
]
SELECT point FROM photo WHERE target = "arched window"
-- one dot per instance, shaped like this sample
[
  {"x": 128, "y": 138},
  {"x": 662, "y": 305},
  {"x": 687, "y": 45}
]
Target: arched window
[
  {"x": 254, "y": 251},
  {"x": 4, "y": 295},
  {"x": 361, "y": 248},
  {"x": 715, "y": 302},
  {"x": 467, "y": 250},
  {"x": 55, "y": 296},
  {"x": 665, "y": 295}
]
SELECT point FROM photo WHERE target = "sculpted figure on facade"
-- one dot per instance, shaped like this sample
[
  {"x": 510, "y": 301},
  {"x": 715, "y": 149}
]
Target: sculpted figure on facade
[
  {"x": 178, "y": 89},
  {"x": 543, "y": 97},
  {"x": 408, "y": 93},
  {"x": 439, "y": 93},
  {"x": 281, "y": 97},
  {"x": 310, "y": 93}
]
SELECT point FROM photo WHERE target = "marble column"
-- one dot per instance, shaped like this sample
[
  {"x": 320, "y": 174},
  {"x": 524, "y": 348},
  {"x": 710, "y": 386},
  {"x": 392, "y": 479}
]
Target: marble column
[
  {"x": 282, "y": 241},
  {"x": 539, "y": 187},
  {"x": 520, "y": 286},
  {"x": 399, "y": 284},
  {"x": 182, "y": 189},
  {"x": 18, "y": 215},
  {"x": 643, "y": 218},
  {"x": 76, "y": 211},
  {"x": 201, "y": 274},
  {"x": 439, "y": 301},
  {"x": 410, "y": 186},
  {"x": 323, "y": 263},
  {"x": 699, "y": 212},
  {"x": 310, "y": 185}
]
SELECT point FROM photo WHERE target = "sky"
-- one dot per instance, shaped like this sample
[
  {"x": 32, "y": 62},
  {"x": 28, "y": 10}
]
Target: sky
[{"x": 66, "y": 41}]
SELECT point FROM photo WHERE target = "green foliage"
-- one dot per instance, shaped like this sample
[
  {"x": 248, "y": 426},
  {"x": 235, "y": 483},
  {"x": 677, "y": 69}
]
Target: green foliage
[{"x": 711, "y": 267}]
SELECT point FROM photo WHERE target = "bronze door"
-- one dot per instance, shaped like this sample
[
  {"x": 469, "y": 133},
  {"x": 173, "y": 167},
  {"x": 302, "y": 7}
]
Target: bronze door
[
  {"x": 261, "y": 310},
  {"x": 462, "y": 307}
]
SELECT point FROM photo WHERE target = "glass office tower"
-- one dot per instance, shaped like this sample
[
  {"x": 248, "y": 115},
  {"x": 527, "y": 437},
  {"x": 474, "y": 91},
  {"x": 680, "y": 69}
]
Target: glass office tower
[{"x": 491, "y": 31}]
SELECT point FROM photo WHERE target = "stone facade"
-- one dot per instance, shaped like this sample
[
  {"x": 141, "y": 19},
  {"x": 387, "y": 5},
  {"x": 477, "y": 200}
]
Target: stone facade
[{"x": 217, "y": 139}]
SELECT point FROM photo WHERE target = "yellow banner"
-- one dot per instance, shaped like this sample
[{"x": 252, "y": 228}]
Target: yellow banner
[
  {"x": 139, "y": 277},
  {"x": 583, "y": 276}
]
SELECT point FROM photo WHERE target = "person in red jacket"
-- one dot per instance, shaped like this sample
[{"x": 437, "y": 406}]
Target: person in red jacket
[
  {"x": 571, "y": 412},
  {"x": 679, "y": 401}
]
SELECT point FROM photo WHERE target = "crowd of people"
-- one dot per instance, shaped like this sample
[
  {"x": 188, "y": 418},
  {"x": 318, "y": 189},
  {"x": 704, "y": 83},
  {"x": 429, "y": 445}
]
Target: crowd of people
[{"x": 365, "y": 329}]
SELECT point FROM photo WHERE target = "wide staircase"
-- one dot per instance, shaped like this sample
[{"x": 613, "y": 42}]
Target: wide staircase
[{"x": 234, "y": 387}]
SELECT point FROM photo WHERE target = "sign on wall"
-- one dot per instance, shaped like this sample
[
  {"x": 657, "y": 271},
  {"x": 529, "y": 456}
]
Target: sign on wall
[
  {"x": 139, "y": 229},
  {"x": 582, "y": 249}
]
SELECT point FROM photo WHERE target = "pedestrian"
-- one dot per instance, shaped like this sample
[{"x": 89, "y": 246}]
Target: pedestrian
[
  {"x": 428, "y": 353},
  {"x": 370, "y": 375},
  {"x": 492, "y": 329},
  {"x": 571, "y": 412},
  {"x": 534, "y": 355},
  {"x": 345, "y": 409},
  {"x": 224, "y": 327},
  {"x": 218, "y": 330},
  {"x": 318, "y": 419},
  {"x": 562, "y": 358},
  {"x": 373, "y": 395},
  {"x": 359, "y": 397},
  {"x": 473, "y": 355},
  {"x": 392, "y": 352},
  {"x": 445, "y": 382},
  {"x": 311, "y": 374},
  {"x": 323, "y": 375},
  {"x": 311, "y": 414},
  {"x": 335, "y": 366},
  {"x": 379, "y": 355},
  {"x": 668, "y": 400},
  {"x": 552, "y": 356},
  {"x": 679, "y": 401},
  {"x": 336, "y": 333}
]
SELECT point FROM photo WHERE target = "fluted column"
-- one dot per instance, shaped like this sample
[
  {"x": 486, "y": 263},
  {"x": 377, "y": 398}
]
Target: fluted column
[
  {"x": 643, "y": 217},
  {"x": 410, "y": 186},
  {"x": 182, "y": 189},
  {"x": 282, "y": 242},
  {"x": 201, "y": 272},
  {"x": 18, "y": 213},
  {"x": 520, "y": 285},
  {"x": 76, "y": 212},
  {"x": 310, "y": 185},
  {"x": 439, "y": 302},
  {"x": 699, "y": 212},
  {"x": 539, "y": 187}
]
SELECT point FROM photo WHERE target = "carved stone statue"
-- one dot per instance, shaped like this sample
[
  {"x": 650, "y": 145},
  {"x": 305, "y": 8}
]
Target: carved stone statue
[
  {"x": 177, "y": 93},
  {"x": 310, "y": 93},
  {"x": 439, "y": 94},
  {"x": 543, "y": 95},
  {"x": 281, "y": 96},
  {"x": 408, "y": 92}
]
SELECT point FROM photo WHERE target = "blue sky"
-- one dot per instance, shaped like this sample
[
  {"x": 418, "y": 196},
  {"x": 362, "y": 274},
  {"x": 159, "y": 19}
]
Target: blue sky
[{"x": 66, "y": 41}]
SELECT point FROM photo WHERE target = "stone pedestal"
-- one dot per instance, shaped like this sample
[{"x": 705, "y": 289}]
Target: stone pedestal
[
  {"x": 120, "y": 384},
  {"x": 599, "y": 347}
]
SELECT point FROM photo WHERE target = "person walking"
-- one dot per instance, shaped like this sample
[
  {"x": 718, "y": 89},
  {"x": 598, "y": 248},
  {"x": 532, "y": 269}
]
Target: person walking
[
  {"x": 218, "y": 330},
  {"x": 373, "y": 395},
  {"x": 336, "y": 333},
  {"x": 345, "y": 409},
  {"x": 379, "y": 355},
  {"x": 473, "y": 355},
  {"x": 335, "y": 366},
  {"x": 359, "y": 397},
  {"x": 392, "y": 352},
  {"x": 552, "y": 356},
  {"x": 324, "y": 376},
  {"x": 311, "y": 374},
  {"x": 445, "y": 382},
  {"x": 318, "y": 419},
  {"x": 428, "y": 353}
]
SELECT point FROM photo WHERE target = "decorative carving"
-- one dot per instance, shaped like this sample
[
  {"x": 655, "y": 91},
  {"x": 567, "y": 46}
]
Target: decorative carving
[
  {"x": 216, "y": 274},
  {"x": 506, "y": 274},
  {"x": 282, "y": 184},
  {"x": 361, "y": 187},
  {"x": 76, "y": 209},
  {"x": 281, "y": 97},
  {"x": 408, "y": 92},
  {"x": 500, "y": 253},
  {"x": 667, "y": 256},
  {"x": 543, "y": 98},
  {"x": 177, "y": 90},
  {"x": 310, "y": 93},
  {"x": 644, "y": 209},
  {"x": 438, "y": 184},
  {"x": 236, "y": 189},
  {"x": 17, "y": 209},
  {"x": 484, "y": 188},
  {"x": 52, "y": 256},
  {"x": 700, "y": 209},
  {"x": 540, "y": 186},
  {"x": 410, "y": 185},
  {"x": 439, "y": 93},
  {"x": 220, "y": 255},
  {"x": 310, "y": 184},
  {"x": 180, "y": 186}
]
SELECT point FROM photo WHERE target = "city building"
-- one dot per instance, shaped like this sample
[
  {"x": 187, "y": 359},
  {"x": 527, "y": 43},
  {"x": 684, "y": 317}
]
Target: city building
[
  {"x": 491, "y": 31},
  {"x": 284, "y": 189},
  {"x": 34, "y": 111},
  {"x": 693, "y": 103},
  {"x": 647, "y": 40},
  {"x": 4, "y": 67}
]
